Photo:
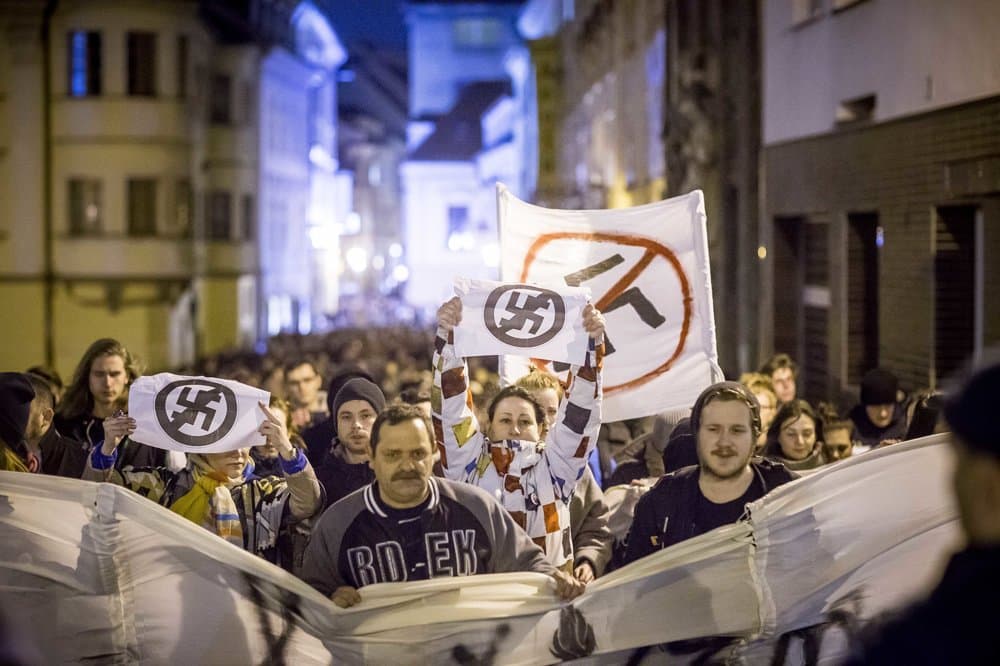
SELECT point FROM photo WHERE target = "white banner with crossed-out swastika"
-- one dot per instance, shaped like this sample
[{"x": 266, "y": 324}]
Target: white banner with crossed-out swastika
[
  {"x": 527, "y": 320},
  {"x": 648, "y": 270},
  {"x": 195, "y": 414}
]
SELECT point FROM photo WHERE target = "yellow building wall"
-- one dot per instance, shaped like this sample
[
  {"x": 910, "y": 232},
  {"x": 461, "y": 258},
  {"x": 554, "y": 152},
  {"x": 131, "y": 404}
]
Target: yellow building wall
[
  {"x": 218, "y": 314},
  {"x": 79, "y": 320},
  {"x": 22, "y": 335}
]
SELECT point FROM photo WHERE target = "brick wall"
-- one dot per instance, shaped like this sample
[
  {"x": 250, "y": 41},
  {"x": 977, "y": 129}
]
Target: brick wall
[{"x": 902, "y": 170}]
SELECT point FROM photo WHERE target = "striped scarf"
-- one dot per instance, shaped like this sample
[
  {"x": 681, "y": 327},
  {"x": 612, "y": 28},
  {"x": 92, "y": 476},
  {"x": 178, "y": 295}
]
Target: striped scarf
[{"x": 210, "y": 503}]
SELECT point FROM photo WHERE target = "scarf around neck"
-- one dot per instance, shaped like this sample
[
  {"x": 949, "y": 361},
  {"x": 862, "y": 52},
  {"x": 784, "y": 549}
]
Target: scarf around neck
[{"x": 210, "y": 502}]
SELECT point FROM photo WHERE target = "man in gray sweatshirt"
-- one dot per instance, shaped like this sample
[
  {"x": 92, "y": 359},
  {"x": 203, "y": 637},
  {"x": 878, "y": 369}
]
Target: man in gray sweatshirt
[{"x": 408, "y": 525}]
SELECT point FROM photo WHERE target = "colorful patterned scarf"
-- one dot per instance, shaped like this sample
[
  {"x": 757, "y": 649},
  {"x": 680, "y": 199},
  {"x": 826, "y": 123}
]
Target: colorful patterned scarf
[{"x": 210, "y": 503}]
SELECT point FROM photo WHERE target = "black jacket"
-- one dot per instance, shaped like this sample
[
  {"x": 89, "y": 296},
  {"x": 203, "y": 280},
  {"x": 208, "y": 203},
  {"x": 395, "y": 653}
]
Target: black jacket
[
  {"x": 870, "y": 434},
  {"x": 955, "y": 625},
  {"x": 90, "y": 431},
  {"x": 62, "y": 456},
  {"x": 340, "y": 478},
  {"x": 666, "y": 514}
]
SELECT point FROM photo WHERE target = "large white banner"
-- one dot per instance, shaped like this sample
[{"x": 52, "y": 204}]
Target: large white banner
[
  {"x": 648, "y": 270},
  {"x": 95, "y": 571},
  {"x": 522, "y": 320},
  {"x": 195, "y": 414}
]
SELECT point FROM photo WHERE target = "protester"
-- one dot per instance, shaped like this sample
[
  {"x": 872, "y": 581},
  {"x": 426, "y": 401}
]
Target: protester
[
  {"x": 795, "y": 437},
  {"x": 346, "y": 466},
  {"x": 954, "y": 625},
  {"x": 221, "y": 492},
  {"x": 321, "y": 438},
  {"x": 697, "y": 499},
  {"x": 836, "y": 434},
  {"x": 16, "y": 395},
  {"x": 784, "y": 373},
  {"x": 534, "y": 483},
  {"x": 50, "y": 377},
  {"x": 408, "y": 525},
  {"x": 588, "y": 512},
  {"x": 880, "y": 418},
  {"x": 303, "y": 391},
  {"x": 99, "y": 389},
  {"x": 762, "y": 388}
]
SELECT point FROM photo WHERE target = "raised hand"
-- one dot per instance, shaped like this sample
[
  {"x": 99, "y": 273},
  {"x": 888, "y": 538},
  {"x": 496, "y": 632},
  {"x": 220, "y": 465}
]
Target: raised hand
[
  {"x": 116, "y": 428},
  {"x": 273, "y": 429},
  {"x": 450, "y": 313},
  {"x": 593, "y": 321}
]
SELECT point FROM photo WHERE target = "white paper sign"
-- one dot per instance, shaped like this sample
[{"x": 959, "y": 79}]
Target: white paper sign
[
  {"x": 648, "y": 270},
  {"x": 520, "y": 319},
  {"x": 195, "y": 414}
]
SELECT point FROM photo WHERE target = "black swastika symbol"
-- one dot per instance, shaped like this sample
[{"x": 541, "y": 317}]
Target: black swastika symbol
[
  {"x": 526, "y": 312},
  {"x": 197, "y": 404}
]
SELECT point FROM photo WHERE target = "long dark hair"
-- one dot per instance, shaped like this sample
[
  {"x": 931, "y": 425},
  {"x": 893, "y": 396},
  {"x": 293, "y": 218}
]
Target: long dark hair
[
  {"x": 790, "y": 411},
  {"x": 77, "y": 400}
]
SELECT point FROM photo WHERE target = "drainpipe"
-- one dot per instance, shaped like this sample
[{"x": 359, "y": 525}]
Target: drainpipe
[{"x": 48, "y": 277}]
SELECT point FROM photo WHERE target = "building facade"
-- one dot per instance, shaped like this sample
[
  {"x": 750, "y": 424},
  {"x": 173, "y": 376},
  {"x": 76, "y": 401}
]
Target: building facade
[
  {"x": 130, "y": 174},
  {"x": 881, "y": 175}
]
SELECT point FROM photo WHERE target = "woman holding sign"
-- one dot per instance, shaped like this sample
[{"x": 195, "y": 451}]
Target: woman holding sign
[
  {"x": 221, "y": 492},
  {"x": 531, "y": 468}
]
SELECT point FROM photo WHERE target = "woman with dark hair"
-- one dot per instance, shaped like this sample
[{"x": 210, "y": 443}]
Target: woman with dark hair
[
  {"x": 530, "y": 467},
  {"x": 795, "y": 437},
  {"x": 99, "y": 389}
]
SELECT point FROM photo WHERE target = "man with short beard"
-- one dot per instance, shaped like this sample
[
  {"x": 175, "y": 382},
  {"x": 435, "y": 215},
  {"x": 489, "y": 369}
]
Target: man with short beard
[
  {"x": 345, "y": 468},
  {"x": 697, "y": 499}
]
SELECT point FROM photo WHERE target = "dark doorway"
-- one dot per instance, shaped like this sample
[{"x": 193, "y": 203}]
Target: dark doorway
[
  {"x": 788, "y": 280},
  {"x": 954, "y": 288},
  {"x": 862, "y": 295}
]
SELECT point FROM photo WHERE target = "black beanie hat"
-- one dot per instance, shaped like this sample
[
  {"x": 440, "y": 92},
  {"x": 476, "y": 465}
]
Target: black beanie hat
[
  {"x": 879, "y": 387},
  {"x": 16, "y": 395},
  {"x": 358, "y": 389},
  {"x": 969, "y": 410},
  {"x": 338, "y": 381}
]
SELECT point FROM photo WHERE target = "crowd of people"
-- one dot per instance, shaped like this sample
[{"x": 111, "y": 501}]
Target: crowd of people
[{"x": 387, "y": 457}]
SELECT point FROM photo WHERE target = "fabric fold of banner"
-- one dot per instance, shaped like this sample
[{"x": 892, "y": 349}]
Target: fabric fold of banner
[{"x": 648, "y": 270}]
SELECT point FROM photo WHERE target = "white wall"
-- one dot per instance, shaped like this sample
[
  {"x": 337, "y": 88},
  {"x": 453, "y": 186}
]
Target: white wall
[
  {"x": 914, "y": 55},
  {"x": 438, "y": 66},
  {"x": 429, "y": 188}
]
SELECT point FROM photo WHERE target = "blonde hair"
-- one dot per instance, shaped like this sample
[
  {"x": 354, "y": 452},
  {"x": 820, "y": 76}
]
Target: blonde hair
[{"x": 539, "y": 380}]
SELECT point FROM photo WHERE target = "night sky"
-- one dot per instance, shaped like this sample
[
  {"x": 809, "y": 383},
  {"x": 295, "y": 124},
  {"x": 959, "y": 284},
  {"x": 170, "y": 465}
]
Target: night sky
[{"x": 379, "y": 22}]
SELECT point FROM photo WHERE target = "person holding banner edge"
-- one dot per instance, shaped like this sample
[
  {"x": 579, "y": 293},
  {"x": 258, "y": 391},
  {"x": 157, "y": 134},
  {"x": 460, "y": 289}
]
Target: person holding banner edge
[
  {"x": 693, "y": 500},
  {"x": 531, "y": 468},
  {"x": 220, "y": 492}
]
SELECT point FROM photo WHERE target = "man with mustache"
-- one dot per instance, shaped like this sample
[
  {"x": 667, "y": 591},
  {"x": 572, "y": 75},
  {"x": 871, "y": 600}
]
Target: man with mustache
[
  {"x": 409, "y": 525},
  {"x": 697, "y": 499}
]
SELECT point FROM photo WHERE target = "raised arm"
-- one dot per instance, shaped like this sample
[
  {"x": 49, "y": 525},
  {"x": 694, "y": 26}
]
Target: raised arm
[
  {"x": 574, "y": 434},
  {"x": 305, "y": 493},
  {"x": 455, "y": 424}
]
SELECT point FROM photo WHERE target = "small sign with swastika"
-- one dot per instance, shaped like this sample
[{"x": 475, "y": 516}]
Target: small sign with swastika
[
  {"x": 195, "y": 414},
  {"x": 521, "y": 318}
]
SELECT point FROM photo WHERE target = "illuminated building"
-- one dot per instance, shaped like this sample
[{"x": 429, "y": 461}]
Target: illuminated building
[{"x": 148, "y": 188}]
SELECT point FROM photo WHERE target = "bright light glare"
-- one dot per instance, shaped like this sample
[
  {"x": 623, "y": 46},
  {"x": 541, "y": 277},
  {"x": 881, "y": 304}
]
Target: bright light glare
[
  {"x": 491, "y": 254},
  {"x": 378, "y": 262},
  {"x": 395, "y": 250},
  {"x": 460, "y": 241},
  {"x": 357, "y": 259},
  {"x": 401, "y": 273}
]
